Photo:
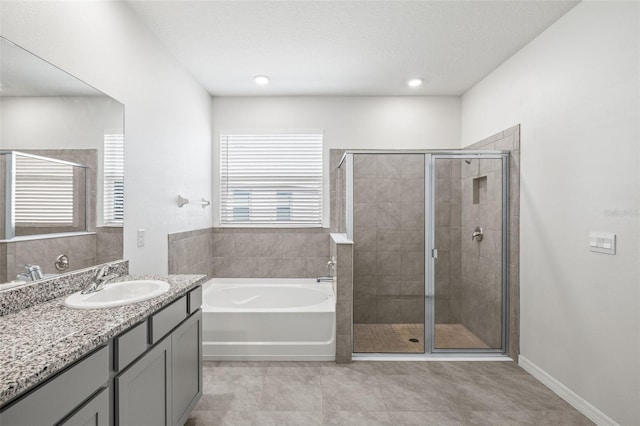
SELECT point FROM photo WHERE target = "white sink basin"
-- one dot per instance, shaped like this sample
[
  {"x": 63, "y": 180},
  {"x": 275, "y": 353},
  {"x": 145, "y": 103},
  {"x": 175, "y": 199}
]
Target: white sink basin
[{"x": 118, "y": 294}]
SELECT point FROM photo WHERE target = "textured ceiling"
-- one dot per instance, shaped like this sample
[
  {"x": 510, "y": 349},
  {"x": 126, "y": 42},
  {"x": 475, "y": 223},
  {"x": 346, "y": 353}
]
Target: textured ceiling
[{"x": 345, "y": 47}]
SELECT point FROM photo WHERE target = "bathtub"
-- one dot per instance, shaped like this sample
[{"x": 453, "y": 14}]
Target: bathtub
[{"x": 289, "y": 319}]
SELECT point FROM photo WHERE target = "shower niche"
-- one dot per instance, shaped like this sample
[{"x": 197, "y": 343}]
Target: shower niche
[{"x": 430, "y": 264}]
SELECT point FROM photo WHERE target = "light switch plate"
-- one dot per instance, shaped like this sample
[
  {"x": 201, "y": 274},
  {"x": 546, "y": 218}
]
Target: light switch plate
[
  {"x": 140, "y": 237},
  {"x": 602, "y": 242}
]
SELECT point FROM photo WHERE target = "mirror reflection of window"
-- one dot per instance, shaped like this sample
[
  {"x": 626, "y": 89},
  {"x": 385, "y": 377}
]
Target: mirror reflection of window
[
  {"x": 113, "y": 179},
  {"x": 44, "y": 194}
]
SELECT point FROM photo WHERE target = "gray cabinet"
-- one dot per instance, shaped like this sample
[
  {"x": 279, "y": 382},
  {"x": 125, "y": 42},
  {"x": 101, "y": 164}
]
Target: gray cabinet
[
  {"x": 142, "y": 391},
  {"x": 186, "y": 367},
  {"x": 54, "y": 399},
  {"x": 93, "y": 413},
  {"x": 163, "y": 385},
  {"x": 157, "y": 366}
]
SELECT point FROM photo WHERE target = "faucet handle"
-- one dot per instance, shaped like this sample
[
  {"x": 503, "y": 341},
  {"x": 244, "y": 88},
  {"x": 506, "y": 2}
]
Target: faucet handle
[
  {"x": 478, "y": 234},
  {"x": 102, "y": 271},
  {"x": 331, "y": 265}
]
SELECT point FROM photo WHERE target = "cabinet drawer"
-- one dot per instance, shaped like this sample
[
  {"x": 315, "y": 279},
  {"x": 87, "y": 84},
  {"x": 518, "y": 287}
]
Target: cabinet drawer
[
  {"x": 167, "y": 319},
  {"x": 56, "y": 398},
  {"x": 194, "y": 299},
  {"x": 130, "y": 345},
  {"x": 93, "y": 413}
]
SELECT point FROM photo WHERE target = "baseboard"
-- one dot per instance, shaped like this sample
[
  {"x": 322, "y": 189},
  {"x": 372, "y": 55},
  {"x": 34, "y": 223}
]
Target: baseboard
[
  {"x": 579, "y": 403},
  {"x": 268, "y": 358}
]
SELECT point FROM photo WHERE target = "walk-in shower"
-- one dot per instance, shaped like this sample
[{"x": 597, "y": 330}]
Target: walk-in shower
[{"x": 430, "y": 234}]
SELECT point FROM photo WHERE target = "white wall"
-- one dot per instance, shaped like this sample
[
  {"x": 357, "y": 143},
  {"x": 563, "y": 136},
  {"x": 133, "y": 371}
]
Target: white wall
[
  {"x": 167, "y": 114},
  {"x": 575, "y": 90},
  {"x": 394, "y": 122}
]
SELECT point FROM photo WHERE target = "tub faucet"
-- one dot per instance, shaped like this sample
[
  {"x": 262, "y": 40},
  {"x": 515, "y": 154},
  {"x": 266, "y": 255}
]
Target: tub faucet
[
  {"x": 31, "y": 273},
  {"x": 100, "y": 278},
  {"x": 331, "y": 266}
]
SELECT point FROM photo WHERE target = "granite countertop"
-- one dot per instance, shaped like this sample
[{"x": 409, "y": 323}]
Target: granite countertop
[{"x": 41, "y": 340}]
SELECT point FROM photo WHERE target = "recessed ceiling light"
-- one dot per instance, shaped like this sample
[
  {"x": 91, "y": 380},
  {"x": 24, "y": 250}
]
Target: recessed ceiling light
[
  {"x": 261, "y": 79},
  {"x": 414, "y": 82}
]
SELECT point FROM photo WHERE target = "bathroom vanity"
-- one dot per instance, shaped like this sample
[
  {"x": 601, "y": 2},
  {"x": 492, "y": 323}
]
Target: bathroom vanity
[{"x": 138, "y": 364}]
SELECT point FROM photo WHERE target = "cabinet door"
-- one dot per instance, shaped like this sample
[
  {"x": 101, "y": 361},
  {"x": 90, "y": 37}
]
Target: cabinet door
[
  {"x": 186, "y": 363},
  {"x": 143, "y": 389},
  {"x": 94, "y": 413}
]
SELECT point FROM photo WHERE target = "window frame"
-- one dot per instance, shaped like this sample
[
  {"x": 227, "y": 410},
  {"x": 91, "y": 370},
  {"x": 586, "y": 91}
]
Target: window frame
[{"x": 281, "y": 208}]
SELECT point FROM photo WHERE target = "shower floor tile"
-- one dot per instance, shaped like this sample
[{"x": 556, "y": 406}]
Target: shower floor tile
[
  {"x": 388, "y": 338},
  {"x": 457, "y": 336},
  {"x": 394, "y": 338}
]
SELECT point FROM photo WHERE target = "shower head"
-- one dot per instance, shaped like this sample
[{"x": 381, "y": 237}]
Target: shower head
[{"x": 467, "y": 161}]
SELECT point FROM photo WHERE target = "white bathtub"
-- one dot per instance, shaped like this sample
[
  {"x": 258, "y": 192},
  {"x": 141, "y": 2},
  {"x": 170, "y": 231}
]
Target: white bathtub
[{"x": 268, "y": 319}]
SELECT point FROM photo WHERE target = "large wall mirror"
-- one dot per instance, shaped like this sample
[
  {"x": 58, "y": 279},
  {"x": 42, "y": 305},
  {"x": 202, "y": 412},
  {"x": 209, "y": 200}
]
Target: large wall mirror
[{"x": 61, "y": 170}]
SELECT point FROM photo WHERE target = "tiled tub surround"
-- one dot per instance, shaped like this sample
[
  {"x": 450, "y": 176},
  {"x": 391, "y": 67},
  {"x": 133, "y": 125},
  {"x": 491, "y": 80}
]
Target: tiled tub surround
[
  {"x": 104, "y": 245},
  {"x": 41, "y": 340},
  {"x": 83, "y": 250},
  {"x": 261, "y": 252},
  {"x": 388, "y": 254},
  {"x": 251, "y": 252},
  {"x": 191, "y": 252},
  {"x": 342, "y": 249}
]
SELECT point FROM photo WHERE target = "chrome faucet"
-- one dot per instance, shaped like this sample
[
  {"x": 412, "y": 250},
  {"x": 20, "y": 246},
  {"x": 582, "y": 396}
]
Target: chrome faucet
[
  {"x": 478, "y": 234},
  {"x": 31, "y": 273},
  {"x": 99, "y": 280},
  {"x": 331, "y": 267}
]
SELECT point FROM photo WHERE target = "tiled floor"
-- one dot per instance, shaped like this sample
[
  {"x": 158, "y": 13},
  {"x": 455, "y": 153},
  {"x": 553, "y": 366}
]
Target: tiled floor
[
  {"x": 457, "y": 336},
  {"x": 377, "y": 393},
  {"x": 395, "y": 338}
]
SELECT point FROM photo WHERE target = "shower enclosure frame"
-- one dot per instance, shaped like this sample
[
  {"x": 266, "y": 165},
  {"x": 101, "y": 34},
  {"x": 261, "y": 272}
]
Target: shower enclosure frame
[{"x": 430, "y": 251}]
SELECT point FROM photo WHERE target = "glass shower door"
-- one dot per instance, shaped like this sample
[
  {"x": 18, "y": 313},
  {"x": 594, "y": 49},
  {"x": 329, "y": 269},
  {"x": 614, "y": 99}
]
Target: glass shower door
[
  {"x": 389, "y": 253},
  {"x": 468, "y": 274}
]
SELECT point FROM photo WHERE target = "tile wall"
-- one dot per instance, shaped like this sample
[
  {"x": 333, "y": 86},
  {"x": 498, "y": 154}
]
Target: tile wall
[
  {"x": 468, "y": 273},
  {"x": 343, "y": 251},
  {"x": 448, "y": 199},
  {"x": 388, "y": 253},
  {"x": 83, "y": 251},
  {"x": 250, "y": 252},
  {"x": 509, "y": 139},
  {"x": 261, "y": 252}
]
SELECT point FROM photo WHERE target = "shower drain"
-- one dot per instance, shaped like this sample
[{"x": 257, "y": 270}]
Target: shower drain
[{"x": 414, "y": 340}]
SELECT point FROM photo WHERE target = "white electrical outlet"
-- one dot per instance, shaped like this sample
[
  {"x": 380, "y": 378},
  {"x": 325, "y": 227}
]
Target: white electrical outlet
[{"x": 140, "y": 237}]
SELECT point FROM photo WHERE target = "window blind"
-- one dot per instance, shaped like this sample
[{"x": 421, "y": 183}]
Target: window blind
[
  {"x": 43, "y": 192},
  {"x": 271, "y": 180},
  {"x": 113, "y": 192}
]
